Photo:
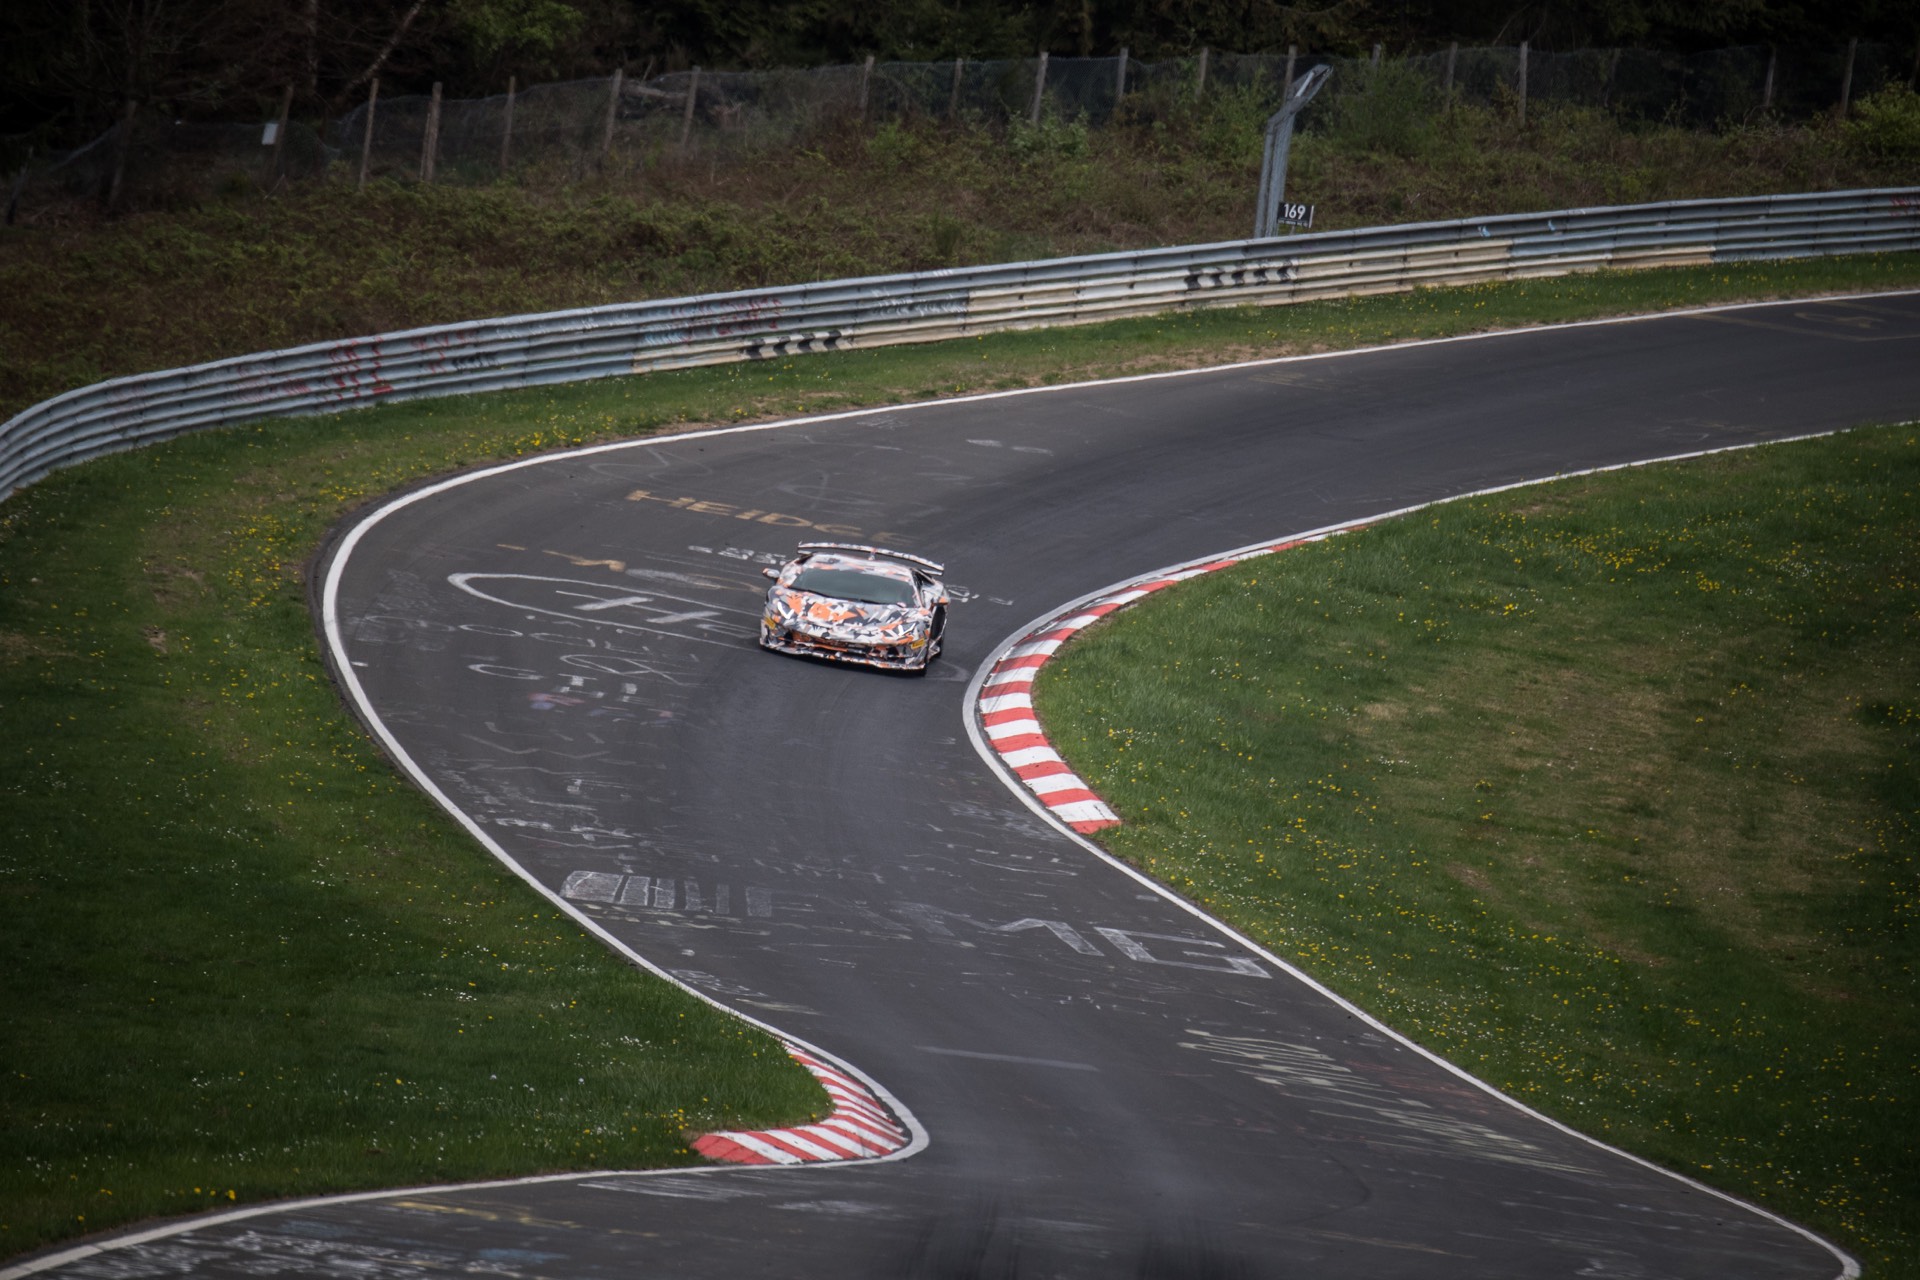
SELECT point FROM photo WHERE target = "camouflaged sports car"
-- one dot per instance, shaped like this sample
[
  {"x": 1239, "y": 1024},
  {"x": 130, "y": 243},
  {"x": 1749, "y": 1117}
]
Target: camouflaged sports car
[{"x": 850, "y": 603}]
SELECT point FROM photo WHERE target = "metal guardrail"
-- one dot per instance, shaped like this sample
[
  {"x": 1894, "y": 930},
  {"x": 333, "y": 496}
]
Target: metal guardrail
[{"x": 572, "y": 346}]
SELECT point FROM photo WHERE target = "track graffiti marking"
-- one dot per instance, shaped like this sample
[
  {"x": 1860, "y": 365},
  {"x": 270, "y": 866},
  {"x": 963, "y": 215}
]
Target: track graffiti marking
[
  {"x": 779, "y": 519},
  {"x": 611, "y": 605},
  {"x": 938, "y": 922},
  {"x": 663, "y": 893}
]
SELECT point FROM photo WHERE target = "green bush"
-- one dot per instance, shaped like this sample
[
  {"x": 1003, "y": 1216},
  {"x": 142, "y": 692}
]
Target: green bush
[
  {"x": 1052, "y": 138},
  {"x": 1886, "y": 125},
  {"x": 1390, "y": 111}
]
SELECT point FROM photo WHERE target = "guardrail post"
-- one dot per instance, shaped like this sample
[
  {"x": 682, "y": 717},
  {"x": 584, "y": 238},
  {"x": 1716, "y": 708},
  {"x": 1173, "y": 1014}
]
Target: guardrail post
[
  {"x": 366, "y": 135},
  {"x": 506, "y": 127},
  {"x": 1523, "y": 84},
  {"x": 686, "y": 121},
  {"x": 1039, "y": 88},
  {"x": 430, "y": 143}
]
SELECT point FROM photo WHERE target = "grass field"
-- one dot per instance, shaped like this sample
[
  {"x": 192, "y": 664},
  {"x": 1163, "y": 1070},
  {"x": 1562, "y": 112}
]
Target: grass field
[
  {"x": 1607, "y": 790},
  {"x": 240, "y": 959}
]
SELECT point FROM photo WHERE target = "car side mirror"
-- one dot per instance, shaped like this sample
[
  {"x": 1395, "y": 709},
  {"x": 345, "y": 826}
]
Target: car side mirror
[{"x": 770, "y": 572}]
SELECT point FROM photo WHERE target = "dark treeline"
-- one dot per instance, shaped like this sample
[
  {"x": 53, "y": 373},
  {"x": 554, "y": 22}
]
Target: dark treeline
[{"x": 70, "y": 66}]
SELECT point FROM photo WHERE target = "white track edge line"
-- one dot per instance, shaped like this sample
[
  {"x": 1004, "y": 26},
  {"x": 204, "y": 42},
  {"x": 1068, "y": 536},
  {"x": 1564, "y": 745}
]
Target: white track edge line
[
  {"x": 1849, "y": 1267},
  {"x": 921, "y": 1138}
]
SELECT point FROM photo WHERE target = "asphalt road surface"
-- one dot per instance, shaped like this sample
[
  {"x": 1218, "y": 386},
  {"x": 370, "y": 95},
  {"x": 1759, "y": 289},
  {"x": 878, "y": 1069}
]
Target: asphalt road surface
[{"x": 565, "y": 650}]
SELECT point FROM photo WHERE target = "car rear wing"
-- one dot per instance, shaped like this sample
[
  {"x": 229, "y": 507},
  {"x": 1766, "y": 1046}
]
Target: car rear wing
[{"x": 875, "y": 551}]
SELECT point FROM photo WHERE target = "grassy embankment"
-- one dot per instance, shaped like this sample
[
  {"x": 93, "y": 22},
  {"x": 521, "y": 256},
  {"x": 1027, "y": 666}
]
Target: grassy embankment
[
  {"x": 1607, "y": 790},
  {"x": 87, "y": 299},
  {"x": 237, "y": 951}
]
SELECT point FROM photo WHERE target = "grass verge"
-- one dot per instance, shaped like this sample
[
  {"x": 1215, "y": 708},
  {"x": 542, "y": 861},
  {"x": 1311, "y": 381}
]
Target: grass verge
[
  {"x": 241, "y": 960},
  {"x": 1607, "y": 790}
]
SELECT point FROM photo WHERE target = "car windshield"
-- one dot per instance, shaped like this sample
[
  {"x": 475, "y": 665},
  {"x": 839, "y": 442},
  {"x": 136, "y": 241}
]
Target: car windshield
[{"x": 851, "y": 584}]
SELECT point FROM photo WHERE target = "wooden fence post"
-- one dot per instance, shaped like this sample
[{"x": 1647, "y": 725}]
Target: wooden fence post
[
  {"x": 1523, "y": 84},
  {"x": 866, "y": 79},
  {"x": 366, "y": 135},
  {"x": 1846, "y": 81},
  {"x": 280, "y": 133},
  {"x": 1039, "y": 88},
  {"x": 18, "y": 188},
  {"x": 953, "y": 98},
  {"x": 430, "y": 144},
  {"x": 686, "y": 121},
  {"x": 122, "y": 145},
  {"x": 613, "y": 113},
  {"x": 506, "y": 126}
]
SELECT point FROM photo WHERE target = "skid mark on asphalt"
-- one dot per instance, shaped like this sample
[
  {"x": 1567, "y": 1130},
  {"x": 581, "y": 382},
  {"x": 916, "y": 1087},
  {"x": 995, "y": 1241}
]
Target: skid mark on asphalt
[{"x": 1379, "y": 1112}]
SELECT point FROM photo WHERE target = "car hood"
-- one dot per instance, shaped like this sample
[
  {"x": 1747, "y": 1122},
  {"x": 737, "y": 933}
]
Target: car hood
[{"x": 846, "y": 619}]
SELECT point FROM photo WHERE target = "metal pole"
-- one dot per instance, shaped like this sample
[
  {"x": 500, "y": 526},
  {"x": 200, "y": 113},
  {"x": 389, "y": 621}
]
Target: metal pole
[
  {"x": 613, "y": 113},
  {"x": 1846, "y": 81},
  {"x": 1293, "y": 51},
  {"x": 506, "y": 127},
  {"x": 866, "y": 75},
  {"x": 1453, "y": 56},
  {"x": 1200, "y": 85},
  {"x": 430, "y": 144},
  {"x": 1120, "y": 80},
  {"x": 1039, "y": 88},
  {"x": 686, "y": 121},
  {"x": 1523, "y": 84},
  {"x": 953, "y": 98},
  {"x": 1766, "y": 89},
  {"x": 1273, "y": 169},
  {"x": 1376, "y": 56},
  {"x": 280, "y": 132},
  {"x": 366, "y": 136}
]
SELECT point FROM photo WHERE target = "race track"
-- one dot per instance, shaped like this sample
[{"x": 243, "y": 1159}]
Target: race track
[{"x": 1108, "y": 1086}]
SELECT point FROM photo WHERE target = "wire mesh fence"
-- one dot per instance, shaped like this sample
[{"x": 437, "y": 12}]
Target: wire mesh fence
[{"x": 560, "y": 133}]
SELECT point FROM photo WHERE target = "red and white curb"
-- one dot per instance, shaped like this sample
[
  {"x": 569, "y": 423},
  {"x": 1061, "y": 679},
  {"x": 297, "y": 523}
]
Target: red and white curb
[
  {"x": 1005, "y": 702},
  {"x": 860, "y": 1127}
]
